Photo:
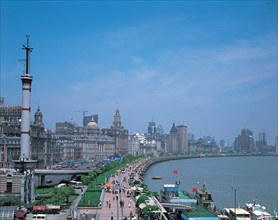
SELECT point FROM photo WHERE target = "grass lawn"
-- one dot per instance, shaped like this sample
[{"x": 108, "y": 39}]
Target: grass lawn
[{"x": 90, "y": 199}]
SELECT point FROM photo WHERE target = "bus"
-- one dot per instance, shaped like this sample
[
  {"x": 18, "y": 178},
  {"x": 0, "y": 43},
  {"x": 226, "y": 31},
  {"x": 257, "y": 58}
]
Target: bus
[{"x": 76, "y": 184}]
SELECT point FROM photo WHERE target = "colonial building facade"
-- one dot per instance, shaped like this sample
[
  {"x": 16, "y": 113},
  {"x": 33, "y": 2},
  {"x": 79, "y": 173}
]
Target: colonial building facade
[
  {"x": 10, "y": 127},
  {"x": 89, "y": 143}
]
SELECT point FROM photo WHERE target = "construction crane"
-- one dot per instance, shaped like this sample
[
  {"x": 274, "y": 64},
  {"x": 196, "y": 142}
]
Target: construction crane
[{"x": 84, "y": 111}]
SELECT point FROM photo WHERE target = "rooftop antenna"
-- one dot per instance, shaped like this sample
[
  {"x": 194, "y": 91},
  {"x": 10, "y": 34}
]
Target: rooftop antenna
[
  {"x": 27, "y": 59},
  {"x": 28, "y": 49}
]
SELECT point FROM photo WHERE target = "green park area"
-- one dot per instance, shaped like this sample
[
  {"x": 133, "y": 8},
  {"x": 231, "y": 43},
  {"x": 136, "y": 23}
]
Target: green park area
[{"x": 56, "y": 196}]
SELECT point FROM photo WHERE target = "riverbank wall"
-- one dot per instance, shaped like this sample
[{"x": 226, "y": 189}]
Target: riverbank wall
[{"x": 151, "y": 161}]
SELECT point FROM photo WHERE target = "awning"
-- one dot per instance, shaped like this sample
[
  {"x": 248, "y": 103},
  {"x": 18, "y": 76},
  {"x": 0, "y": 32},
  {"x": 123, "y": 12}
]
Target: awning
[
  {"x": 110, "y": 185},
  {"x": 142, "y": 205},
  {"x": 7, "y": 212}
]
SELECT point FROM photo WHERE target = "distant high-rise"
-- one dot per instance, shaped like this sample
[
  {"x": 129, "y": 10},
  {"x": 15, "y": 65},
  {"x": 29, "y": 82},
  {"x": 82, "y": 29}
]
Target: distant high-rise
[
  {"x": 262, "y": 139},
  {"x": 159, "y": 129},
  {"x": 222, "y": 143},
  {"x": 183, "y": 138},
  {"x": 244, "y": 141},
  {"x": 172, "y": 140},
  {"x": 151, "y": 128}
]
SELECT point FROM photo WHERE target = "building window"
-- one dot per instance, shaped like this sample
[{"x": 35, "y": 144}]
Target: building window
[{"x": 9, "y": 187}]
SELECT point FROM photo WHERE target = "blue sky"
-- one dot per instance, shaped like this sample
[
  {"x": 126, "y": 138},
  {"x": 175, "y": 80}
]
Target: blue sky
[{"x": 211, "y": 65}]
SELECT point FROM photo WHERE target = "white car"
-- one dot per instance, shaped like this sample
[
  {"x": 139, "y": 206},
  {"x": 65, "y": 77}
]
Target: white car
[{"x": 40, "y": 216}]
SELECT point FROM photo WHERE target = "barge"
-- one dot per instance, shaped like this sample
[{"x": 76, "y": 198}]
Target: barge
[{"x": 184, "y": 206}]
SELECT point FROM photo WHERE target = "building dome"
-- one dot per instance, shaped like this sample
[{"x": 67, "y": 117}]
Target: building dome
[
  {"x": 92, "y": 124},
  {"x": 92, "y": 128}
]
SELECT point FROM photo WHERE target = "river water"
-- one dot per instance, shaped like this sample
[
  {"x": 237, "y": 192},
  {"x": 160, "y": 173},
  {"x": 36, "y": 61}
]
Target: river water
[{"x": 229, "y": 179}]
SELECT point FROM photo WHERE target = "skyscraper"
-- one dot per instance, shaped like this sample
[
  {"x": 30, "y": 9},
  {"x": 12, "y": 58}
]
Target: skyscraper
[
  {"x": 244, "y": 141},
  {"x": 262, "y": 139},
  {"x": 151, "y": 128}
]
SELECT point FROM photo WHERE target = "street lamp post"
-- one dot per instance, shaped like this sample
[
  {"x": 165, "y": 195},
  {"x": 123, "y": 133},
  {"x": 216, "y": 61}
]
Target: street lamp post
[{"x": 235, "y": 189}]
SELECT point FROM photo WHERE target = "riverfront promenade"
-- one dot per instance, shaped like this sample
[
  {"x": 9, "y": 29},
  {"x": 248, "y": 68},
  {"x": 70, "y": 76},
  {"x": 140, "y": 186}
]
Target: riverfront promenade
[
  {"x": 117, "y": 204},
  {"x": 114, "y": 206}
]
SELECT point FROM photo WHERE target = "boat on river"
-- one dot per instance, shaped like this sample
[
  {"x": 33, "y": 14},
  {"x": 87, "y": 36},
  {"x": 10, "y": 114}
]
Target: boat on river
[
  {"x": 182, "y": 205},
  {"x": 157, "y": 177},
  {"x": 237, "y": 213},
  {"x": 257, "y": 211},
  {"x": 275, "y": 214},
  {"x": 204, "y": 198}
]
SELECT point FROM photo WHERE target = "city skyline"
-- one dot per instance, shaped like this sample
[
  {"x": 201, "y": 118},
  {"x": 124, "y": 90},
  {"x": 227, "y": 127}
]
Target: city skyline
[{"x": 208, "y": 65}]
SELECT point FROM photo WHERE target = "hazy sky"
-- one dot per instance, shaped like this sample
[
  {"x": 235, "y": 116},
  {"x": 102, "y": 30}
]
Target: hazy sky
[{"x": 210, "y": 65}]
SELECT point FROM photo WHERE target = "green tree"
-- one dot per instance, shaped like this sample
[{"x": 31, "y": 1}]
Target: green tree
[
  {"x": 10, "y": 201},
  {"x": 85, "y": 179},
  {"x": 66, "y": 192},
  {"x": 56, "y": 194},
  {"x": 148, "y": 210},
  {"x": 62, "y": 194}
]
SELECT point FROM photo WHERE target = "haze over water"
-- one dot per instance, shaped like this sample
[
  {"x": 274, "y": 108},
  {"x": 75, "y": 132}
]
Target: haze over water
[{"x": 252, "y": 177}]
